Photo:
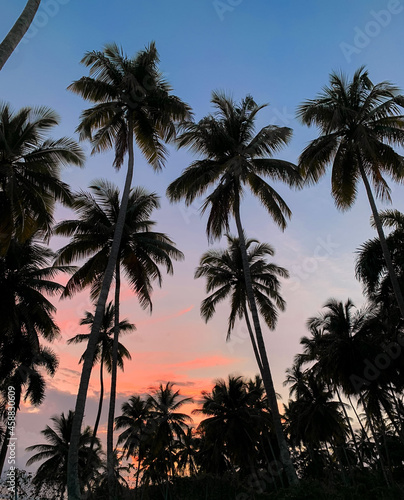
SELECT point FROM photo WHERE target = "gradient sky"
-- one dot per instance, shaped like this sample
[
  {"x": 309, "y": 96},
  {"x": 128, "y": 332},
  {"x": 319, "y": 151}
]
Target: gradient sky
[{"x": 279, "y": 52}]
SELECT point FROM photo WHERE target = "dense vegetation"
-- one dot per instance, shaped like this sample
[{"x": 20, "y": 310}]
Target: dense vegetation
[{"x": 341, "y": 434}]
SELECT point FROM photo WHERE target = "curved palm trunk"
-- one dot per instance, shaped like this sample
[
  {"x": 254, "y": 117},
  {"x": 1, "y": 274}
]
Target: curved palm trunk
[
  {"x": 266, "y": 371},
  {"x": 382, "y": 238},
  {"x": 138, "y": 474},
  {"x": 73, "y": 486},
  {"x": 98, "y": 417},
  {"x": 372, "y": 430},
  {"x": 253, "y": 342},
  {"x": 112, "y": 396},
  {"x": 397, "y": 405},
  {"x": 3, "y": 451},
  {"x": 392, "y": 420},
  {"x": 350, "y": 427},
  {"x": 360, "y": 422},
  {"x": 14, "y": 36}
]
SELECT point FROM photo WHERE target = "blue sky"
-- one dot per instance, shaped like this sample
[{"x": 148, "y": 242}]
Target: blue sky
[{"x": 279, "y": 52}]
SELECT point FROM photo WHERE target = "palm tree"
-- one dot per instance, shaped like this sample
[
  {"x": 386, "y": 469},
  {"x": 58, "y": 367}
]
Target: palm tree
[
  {"x": 27, "y": 380},
  {"x": 53, "y": 470},
  {"x": 169, "y": 428},
  {"x": 236, "y": 418},
  {"x": 14, "y": 36},
  {"x": 30, "y": 171},
  {"x": 359, "y": 123},
  {"x": 371, "y": 267},
  {"x": 342, "y": 350},
  {"x": 26, "y": 316},
  {"x": 317, "y": 422},
  {"x": 224, "y": 275},
  {"x": 25, "y": 280},
  {"x": 132, "y": 101},
  {"x": 314, "y": 418},
  {"x": 140, "y": 254},
  {"x": 233, "y": 156},
  {"x": 121, "y": 473},
  {"x": 103, "y": 353},
  {"x": 188, "y": 452},
  {"x": 297, "y": 380},
  {"x": 138, "y": 429}
]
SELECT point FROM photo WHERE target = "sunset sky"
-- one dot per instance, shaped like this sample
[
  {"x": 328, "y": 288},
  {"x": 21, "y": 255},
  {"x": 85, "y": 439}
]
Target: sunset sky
[{"x": 279, "y": 52}]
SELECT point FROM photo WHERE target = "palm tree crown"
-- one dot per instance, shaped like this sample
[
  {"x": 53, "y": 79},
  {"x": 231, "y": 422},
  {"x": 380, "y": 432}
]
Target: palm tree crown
[
  {"x": 224, "y": 275},
  {"x": 128, "y": 89},
  {"x": 141, "y": 250},
  {"x": 30, "y": 171},
  {"x": 103, "y": 352},
  {"x": 234, "y": 155},
  {"x": 53, "y": 470},
  {"x": 359, "y": 122},
  {"x": 371, "y": 267}
]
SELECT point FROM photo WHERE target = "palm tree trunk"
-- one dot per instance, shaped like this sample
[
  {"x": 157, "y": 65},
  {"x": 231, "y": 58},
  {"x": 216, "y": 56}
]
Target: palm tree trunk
[
  {"x": 372, "y": 430},
  {"x": 72, "y": 466},
  {"x": 253, "y": 342},
  {"x": 275, "y": 461},
  {"x": 112, "y": 396},
  {"x": 397, "y": 405},
  {"x": 266, "y": 371},
  {"x": 3, "y": 451},
  {"x": 360, "y": 422},
  {"x": 350, "y": 427},
  {"x": 383, "y": 243},
  {"x": 14, "y": 36},
  {"x": 98, "y": 417},
  {"x": 358, "y": 419},
  {"x": 137, "y": 475},
  {"x": 392, "y": 420}
]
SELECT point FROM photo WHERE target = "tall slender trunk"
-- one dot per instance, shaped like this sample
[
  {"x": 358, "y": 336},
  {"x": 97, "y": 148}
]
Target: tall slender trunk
[
  {"x": 72, "y": 466},
  {"x": 274, "y": 461},
  {"x": 358, "y": 419},
  {"x": 350, "y": 427},
  {"x": 98, "y": 417},
  {"x": 266, "y": 371},
  {"x": 137, "y": 474},
  {"x": 392, "y": 420},
  {"x": 383, "y": 243},
  {"x": 112, "y": 397},
  {"x": 3, "y": 451},
  {"x": 397, "y": 405},
  {"x": 372, "y": 430},
  {"x": 252, "y": 338},
  {"x": 14, "y": 36},
  {"x": 360, "y": 422}
]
